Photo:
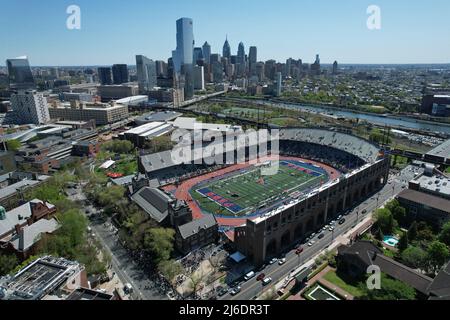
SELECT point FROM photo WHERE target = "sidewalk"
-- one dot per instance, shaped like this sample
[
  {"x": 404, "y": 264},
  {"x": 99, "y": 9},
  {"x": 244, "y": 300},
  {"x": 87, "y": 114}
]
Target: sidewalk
[{"x": 340, "y": 240}]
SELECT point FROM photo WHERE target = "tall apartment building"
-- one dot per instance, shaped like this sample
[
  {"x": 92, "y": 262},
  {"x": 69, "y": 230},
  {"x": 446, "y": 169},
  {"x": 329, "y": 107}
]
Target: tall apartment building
[
  {"x": 120, "y": 73},
  {"x": 19, "y": 74},
  {"x": 104, "y": 75},
  {"x": 30, "y": 107},
  {"x": 199, "y": 78},
  {"x": 146, "y": 73}
]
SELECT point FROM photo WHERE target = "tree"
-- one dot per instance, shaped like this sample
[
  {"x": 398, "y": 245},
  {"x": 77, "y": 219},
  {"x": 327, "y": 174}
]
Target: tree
[
  {"x": 398, "y": 212},
  {"x": 170, "y": 269},
  {"x": 390, "y": 290},
  {"x": 70, "y": 241},
  {"x": 385, "y": 221},
  {"x": 438, "y": 254},
  {"x": 13, "y": 145},
  {"x": 403, "y": 242},
  {"x": 414, "y": 257},
  {"x": 195, "y": 280},
  {"x": 118, "y": 146},
  {"x": 160, "y": 241},
  {"x": 412, "y": 231},
  {"x": 444, "y": 235},
  {"x": 379, "y": 235},
  {"x": 7, "y": 263},
  {"x": 425, "y": 232}
]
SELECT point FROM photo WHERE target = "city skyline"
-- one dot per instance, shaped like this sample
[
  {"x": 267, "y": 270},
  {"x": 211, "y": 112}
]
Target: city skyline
[{"x": 325, "y": 28}]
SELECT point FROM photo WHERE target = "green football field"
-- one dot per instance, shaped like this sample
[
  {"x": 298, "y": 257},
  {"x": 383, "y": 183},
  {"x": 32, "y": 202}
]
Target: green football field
[{"x": 250, "y": 191}]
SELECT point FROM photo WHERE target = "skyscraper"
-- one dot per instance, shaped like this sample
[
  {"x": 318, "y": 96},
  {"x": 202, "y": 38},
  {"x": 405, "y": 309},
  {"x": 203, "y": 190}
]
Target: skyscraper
[
  {"x": 161, "y": 68},
  {"x": 335, "y": 67},
  {"x": 241, "y": 53},
  {"x": 317, "y": 59},
  {"x": 30, "y": 107},
  {"x": 207, "y": 52},
  {"x": 199, "y": 78},
  {"x": 215, "y": 57},
  {"x": 104, "y": 75},
  {"x": 183, "y": 55},
  {"x": 120, "y": 73},
  {"x": 278, "y": 89},
  {"x": 252, "y": 59},
  {"x": 146, "y": 73},
  {"x": 19, "y": 73},
  {"x": 315, "y": 67},
  {"x": 226, "y": 52},
  {"x": 198, "y": 54}
]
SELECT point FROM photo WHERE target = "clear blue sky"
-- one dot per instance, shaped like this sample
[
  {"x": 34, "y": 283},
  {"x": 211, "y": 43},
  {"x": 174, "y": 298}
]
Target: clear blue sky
[{"x": 114, "y": 31}]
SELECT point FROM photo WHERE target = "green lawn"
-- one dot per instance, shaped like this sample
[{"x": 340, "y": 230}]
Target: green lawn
[
  {"x": 388, "y": 253},
  {"x": 332, "y": 277},
  {"x": 250, "y": 190}
]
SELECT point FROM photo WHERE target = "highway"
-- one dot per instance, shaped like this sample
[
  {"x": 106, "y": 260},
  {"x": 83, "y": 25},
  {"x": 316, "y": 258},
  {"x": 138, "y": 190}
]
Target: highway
[{"x": 253, "y": 288}]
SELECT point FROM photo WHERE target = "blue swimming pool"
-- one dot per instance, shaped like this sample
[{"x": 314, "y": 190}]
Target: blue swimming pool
[{"x": 390, "y": 241}]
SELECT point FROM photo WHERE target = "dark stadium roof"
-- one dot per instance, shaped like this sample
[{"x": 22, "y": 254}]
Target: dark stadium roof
[
  {"x": 345, "y": 142},
  {"x": 359, "y": 147}
]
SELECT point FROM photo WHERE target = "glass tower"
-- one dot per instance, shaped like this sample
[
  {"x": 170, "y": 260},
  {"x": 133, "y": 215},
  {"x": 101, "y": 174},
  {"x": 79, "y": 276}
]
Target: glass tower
[
  {"x": 146, "y": 73},
  {"x": 19, "y": 72}
]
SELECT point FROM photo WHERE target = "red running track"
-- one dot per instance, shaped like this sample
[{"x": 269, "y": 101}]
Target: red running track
[{"x": 182, "y": 192}]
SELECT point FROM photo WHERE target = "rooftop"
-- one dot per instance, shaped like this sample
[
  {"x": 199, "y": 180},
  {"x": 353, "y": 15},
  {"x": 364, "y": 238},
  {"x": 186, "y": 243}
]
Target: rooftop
[
  {"x": 159, "y": 116},
  {"x": 438, "y": 185},
  {"x": 153, "y": 201},
  {"x": 193, "y": 124},
  {"x": 426, "y": 199},
  {"x": 19, "y": 215},
  {"x": 193, "y": 227},
  {"x": 442, "y": 150},
  {"x": 88, "y": 294},
  {"x": 39, "y": 278},
  {"x": 33, "y": 233}
]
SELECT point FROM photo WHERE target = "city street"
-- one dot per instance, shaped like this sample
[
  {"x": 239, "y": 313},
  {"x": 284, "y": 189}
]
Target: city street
[
  {"x": 253, "y": 288},
  {"x": 123, "y": 265}
]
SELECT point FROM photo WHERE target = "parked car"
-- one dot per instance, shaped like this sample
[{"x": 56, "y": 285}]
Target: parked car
[
  {"x": 274, "y": 260},
  {"x": 331, "y": 228},
  {"x": 342, "y": 221},
  {"x": 235, "y": 290},
  {"x": 339, "y": 218},
  {"x": 222, "y": 291},
  {"x": 262, "y": 267},
  {"x": 128, "y": 288},
  {"x": 266, "y": 281},
  {"x": 282, "y": 261},
  {"x": 321, "y": 235},
  {"x": 260, "y": 277},
  {"x": 249, "y": 275}
]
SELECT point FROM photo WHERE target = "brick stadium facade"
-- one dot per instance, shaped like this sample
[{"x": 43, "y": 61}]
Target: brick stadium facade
[
  {"x": 263, "y": 237},
  {"x": 365, "y": 170}
]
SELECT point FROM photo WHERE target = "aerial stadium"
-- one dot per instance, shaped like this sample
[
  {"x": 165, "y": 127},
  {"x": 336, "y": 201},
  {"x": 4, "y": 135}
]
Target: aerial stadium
[{"x": 320, "y": 173}]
